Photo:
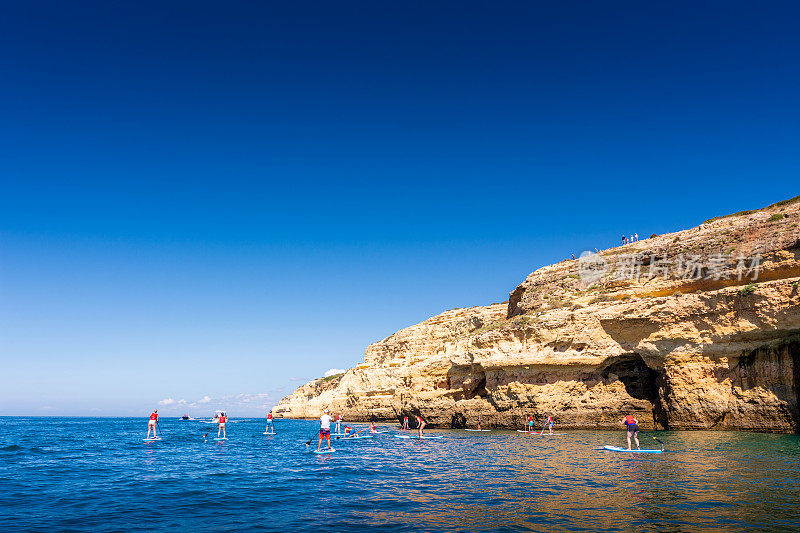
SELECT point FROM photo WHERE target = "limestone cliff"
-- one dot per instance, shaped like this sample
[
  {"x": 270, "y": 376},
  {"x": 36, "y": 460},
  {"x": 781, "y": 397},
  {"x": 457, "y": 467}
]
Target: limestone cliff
[{"x": 694, "y": 329}]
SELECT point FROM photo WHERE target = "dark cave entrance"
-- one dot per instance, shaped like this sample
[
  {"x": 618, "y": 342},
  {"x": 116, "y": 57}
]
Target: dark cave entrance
[{"x": 641, "y": 382}]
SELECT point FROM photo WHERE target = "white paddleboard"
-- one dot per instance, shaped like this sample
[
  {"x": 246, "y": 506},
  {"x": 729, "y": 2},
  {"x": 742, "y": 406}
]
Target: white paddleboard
[
  {"x": 220, "y": 438},
  {"x": 417, "y": 436},
  {"x": 269, "y": 433},
  {"x": 152, "y": 439},
  {"x": 477, "y": 430},
  {"x": 329, "y": 450},
  {"x": 626, "y": 450}
]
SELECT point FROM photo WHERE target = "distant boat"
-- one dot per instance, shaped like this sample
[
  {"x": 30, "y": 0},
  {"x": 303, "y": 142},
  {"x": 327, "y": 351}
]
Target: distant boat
[{"x": 186, "y": 417}]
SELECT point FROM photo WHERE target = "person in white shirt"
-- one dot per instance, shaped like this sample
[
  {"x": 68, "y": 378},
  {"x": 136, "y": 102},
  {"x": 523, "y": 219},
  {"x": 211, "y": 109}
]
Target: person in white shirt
[{"x": 324, "y": 429}]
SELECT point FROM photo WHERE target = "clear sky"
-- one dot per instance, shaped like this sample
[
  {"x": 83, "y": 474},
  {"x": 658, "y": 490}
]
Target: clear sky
[{"x": 216, "y": 201}]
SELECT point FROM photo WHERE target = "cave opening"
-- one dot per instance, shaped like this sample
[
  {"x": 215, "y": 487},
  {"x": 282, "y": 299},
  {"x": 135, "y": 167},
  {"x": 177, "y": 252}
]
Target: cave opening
[{"x": 641, "y": 382}]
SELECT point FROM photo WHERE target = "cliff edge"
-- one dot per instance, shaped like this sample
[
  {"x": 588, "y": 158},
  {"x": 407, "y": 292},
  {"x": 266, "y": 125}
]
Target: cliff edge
[{"x": 696, "y": 329}]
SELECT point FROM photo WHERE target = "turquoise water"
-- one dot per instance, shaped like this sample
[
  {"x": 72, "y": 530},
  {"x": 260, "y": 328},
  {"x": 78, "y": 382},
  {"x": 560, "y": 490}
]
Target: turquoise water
[{"x": 97, "y": 475}]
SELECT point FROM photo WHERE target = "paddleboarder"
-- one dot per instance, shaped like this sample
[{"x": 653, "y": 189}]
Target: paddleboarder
[
  {"x": 151, "y": 424},
  {"x": 221, "y": 421},
  {"x": 270, "y": 424},
  {"x": 420, "y": 425},
  {"x": 339, "y": 422},
  {"x": 324, "y": 429},
  {"x": 479, "y": 422},
  {"x": 373, "y": 428},
  {"x": 633, "y": 430},
  {"x": 548, "y": 422},
  {"x": 405, "y": 423},
  {"x": 529, "y": 427}
]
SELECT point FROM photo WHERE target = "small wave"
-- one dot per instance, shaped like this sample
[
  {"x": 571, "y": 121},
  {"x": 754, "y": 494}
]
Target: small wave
[{"x": 11, "y": 449}]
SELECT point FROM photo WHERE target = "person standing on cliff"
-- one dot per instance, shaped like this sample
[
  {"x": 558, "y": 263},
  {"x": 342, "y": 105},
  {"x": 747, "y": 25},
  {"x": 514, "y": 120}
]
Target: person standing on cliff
[
  {"x": 633, "y": 430},
  {"x": 420, "y": 425},
  {"x": 405, "y": 423},
  {"x": 324, "y": 429}
]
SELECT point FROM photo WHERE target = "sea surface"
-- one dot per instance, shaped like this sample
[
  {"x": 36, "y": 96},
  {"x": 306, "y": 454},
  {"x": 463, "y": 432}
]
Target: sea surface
[{"x": 96, "y": 474}]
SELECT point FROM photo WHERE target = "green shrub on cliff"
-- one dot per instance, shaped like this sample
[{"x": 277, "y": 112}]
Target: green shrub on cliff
[{"x": 748, "y": 289}]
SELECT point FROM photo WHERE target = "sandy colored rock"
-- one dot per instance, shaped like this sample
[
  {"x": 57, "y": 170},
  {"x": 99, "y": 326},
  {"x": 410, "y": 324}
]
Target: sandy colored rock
[{"x": 695, "y": 329}]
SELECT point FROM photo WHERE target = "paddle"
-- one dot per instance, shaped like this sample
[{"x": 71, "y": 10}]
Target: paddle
[
  {"x": 159, "y": 427},
  {"x": 545, "y": 425},
  {"x": 658, "y": 441},
  {"x": 316, "y": 434}
]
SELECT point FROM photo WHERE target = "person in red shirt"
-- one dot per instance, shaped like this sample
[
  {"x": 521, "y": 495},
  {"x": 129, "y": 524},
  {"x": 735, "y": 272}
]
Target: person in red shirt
[
  {"x": 633, "y": 430},
  {"x": 420, "y": 425},
  {"x": 151, "y": 424},
  {"x": 549, "y": 421},
  {"x": 223, "y": 418},
  {"x": 270, "y": 424}
]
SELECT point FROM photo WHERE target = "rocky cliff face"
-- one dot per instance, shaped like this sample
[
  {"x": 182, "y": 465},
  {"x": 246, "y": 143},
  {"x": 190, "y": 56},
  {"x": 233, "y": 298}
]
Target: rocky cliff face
[{"x": 696, "y": 329}]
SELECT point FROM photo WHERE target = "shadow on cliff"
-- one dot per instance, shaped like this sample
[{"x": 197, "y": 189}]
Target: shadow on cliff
[
  {"x": 771, "y": 368},
  {"x": 465, "y": 382}
]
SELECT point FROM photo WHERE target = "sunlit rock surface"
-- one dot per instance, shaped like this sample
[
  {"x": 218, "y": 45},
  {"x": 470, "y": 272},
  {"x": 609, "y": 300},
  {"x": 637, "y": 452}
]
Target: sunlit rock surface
[{"x": 695, "y": 329}]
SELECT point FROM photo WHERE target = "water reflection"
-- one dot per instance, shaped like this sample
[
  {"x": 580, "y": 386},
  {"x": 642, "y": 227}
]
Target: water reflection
[{"x": 499, "y": 481}]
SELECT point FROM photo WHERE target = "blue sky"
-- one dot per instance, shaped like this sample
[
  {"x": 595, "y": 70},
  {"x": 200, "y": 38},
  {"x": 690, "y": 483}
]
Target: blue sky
[{"x": 216, "y": 202}]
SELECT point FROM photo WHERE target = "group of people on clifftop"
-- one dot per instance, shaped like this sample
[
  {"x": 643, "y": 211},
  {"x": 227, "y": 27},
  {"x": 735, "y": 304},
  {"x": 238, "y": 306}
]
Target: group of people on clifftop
[{"x": 629, "y": 239}]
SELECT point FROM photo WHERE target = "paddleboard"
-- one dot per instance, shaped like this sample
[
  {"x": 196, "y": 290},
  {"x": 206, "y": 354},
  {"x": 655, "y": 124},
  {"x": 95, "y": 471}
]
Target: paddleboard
[
  {"x": 269, "y": 433},
  {"x": 416, "y": 436},
  {"x": 220, "y": 438},
  {"x": 477, "y": 430},
  {"x": 337, "y": 434},
  {"x": 152, "y": 439},
  {"x": 626, "y": 450},
  {"x": 357, "y": 437},
  {"x": 523, "y": 431},
  {"x": 320, "y": 452}
]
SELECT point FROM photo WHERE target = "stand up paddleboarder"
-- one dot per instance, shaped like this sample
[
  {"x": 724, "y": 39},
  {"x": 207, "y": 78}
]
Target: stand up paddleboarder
[
  {"x": 221, "y": 421},
  {"x": 270, "y": 424},
  {"x": 324, "y": 429},
  {"x": 405, "y": 423},
  {"x": 420, "y": 425},
  {"x": 633, "y": 430},
  {"x": 548, "y": 422},
  {"x": 339, "y": 422},
  {"x": 151, "y": 424}
]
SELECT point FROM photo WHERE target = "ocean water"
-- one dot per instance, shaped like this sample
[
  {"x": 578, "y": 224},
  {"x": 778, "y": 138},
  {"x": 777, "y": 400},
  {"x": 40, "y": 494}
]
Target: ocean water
[{"x": 96, "y": 474}]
